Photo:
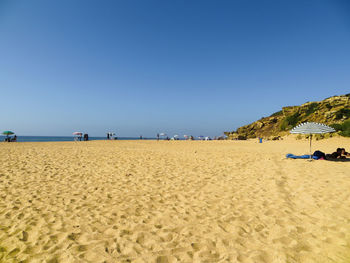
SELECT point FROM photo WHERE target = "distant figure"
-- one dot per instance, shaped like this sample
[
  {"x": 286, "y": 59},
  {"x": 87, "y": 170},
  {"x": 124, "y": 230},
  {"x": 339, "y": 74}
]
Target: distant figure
[
  {"x": 140, "y": 137},
  {"x": 157, "y": 136},
  {"x": 108, "y": 136},
  {"x": 86, "y": 137},
  {"x": 9, "y": 139}
]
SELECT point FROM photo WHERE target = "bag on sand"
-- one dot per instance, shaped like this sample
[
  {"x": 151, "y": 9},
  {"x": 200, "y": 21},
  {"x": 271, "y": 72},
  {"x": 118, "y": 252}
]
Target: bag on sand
[{"x": 319, "y": 155}]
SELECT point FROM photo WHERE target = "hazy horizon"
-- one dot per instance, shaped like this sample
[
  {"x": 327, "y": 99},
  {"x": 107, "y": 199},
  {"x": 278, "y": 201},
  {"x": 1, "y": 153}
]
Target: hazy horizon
[{"x": 146, "y": 67}]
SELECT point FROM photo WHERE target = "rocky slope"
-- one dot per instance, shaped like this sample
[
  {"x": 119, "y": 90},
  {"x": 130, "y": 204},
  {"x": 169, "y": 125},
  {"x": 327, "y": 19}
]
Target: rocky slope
[{"x": 331, "y": 111}]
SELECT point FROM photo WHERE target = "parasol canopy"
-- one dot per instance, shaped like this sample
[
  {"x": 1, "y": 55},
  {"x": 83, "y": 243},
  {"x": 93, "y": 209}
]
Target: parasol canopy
[
  {"x": 311, "y": 128},
  {"x": 7, "y": 133}
]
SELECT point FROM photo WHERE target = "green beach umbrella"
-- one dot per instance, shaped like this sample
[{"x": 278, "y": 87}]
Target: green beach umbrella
[{"x": 7, "y": 133}]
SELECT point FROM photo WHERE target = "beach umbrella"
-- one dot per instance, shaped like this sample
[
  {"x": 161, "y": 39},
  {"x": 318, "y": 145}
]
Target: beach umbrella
[
  {"x": 162, "y": 134},
  {"x": 175, "y": 136},
  {"x": 78, "y": 133},
  {"x": 7, "y": 133},
  {"x": 311, "y": 128}
]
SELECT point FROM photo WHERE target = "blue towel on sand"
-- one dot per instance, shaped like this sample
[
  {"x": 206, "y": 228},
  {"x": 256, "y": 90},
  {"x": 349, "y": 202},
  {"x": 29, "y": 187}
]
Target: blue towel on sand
[{"x": 306, "y": 156}]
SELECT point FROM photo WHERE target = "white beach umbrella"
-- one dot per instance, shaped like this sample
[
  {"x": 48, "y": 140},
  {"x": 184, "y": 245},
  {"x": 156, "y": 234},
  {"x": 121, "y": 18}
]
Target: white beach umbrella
[
  {"x": 311, "y": 128},
  {"x": 162, "y": 134}
]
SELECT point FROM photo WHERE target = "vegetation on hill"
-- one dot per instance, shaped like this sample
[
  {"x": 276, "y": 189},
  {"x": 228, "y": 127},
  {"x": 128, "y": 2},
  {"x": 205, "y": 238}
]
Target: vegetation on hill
[{"x": 333, "y": 111}]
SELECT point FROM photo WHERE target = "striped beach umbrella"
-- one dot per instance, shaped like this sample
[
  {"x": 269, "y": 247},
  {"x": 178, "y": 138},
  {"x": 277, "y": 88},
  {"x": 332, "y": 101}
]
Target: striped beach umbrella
[{"x": 311, "y": 128}]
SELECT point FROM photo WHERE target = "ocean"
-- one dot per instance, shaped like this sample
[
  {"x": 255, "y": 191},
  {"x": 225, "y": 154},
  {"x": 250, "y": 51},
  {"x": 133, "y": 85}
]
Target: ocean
[{"x": 63, "y": 138}]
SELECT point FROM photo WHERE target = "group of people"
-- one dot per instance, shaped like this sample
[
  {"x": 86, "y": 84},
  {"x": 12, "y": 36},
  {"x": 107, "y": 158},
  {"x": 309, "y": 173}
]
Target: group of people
[
  {"x": 85, "y": 137},
  {"x": 340, "y": 153},
  {"x": 11, "y": 139}
]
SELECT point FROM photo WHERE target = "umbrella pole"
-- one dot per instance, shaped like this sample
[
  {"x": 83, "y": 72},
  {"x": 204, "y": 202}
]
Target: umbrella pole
[{"x": 310, "y": 146}]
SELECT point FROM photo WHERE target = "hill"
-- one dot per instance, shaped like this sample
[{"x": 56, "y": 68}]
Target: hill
[{"x": 333, "y": 111}]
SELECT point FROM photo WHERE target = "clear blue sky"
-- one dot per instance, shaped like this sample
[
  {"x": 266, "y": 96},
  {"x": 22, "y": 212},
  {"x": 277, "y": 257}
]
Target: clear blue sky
[{"x": 186, "y": 67}]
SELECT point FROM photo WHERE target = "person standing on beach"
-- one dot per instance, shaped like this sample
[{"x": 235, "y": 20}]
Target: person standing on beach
[
  {"x": 108, "y": 136},
  {"x": 157, "y": 136}
]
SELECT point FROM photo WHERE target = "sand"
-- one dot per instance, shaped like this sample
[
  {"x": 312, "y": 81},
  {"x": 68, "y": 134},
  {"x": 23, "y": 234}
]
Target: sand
[{"x": 177, "y": 201}]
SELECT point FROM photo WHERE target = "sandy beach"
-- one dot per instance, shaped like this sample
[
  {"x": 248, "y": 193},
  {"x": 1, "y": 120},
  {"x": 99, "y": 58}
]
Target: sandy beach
[{"x": 177, "y": 201}]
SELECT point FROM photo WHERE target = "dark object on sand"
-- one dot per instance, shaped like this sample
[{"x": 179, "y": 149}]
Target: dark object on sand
[{"x": 319, "y": 155}]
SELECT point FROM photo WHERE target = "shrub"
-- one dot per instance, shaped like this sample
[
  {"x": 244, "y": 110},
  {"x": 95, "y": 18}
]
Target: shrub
[
  {"x": 342, "y": 113},
  {"x": 319, "y": 136},
  {"x": 290, "y": 121},
  {"x": 336, "y": 126},
  {"x": 284, "y": 125},
  {"x": 345, "y": 131},
  {"x": 344, "y": 128},
  {"x": 312, "y": 108},
  {"x": 299, "y": 137},
  {"x": 293, "y": 119},
  {"x": 328, "y": 106}
]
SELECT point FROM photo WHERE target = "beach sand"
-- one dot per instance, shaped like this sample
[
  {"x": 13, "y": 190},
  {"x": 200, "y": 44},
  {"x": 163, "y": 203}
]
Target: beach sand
[{"x": 173, "y": 201}]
